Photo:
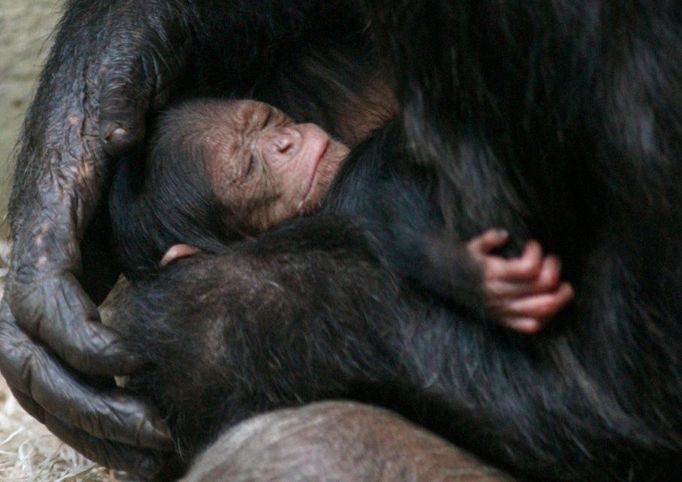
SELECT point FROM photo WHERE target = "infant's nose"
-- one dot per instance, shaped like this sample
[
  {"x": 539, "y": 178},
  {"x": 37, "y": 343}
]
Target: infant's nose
[{"x": 285, "y": 143}]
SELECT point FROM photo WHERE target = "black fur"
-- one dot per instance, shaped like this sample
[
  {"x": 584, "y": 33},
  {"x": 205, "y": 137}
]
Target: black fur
[
  {"x": 168, "y": 197},
  {"x": 377, "y": 230},
  {"x": 559, "y": 121}
]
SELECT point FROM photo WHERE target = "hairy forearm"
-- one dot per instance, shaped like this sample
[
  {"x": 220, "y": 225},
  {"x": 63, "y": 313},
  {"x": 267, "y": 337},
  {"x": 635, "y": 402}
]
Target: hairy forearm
[{"x": 61, "y": 156}]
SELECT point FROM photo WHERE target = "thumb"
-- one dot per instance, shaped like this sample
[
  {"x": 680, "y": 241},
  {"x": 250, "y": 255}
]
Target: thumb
[{"x": 125, "y": 99}]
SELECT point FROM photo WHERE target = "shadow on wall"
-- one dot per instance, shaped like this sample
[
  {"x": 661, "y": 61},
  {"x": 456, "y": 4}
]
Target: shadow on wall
[{"x": 25, "y": 39}]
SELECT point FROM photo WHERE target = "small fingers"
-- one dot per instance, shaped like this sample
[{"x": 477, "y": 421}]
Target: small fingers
[
  {"x": 550, "y": 275},
  {"x": 500, "y": 290},
  {"x": 525, "y": 267},
  {"x": 541, "y": 306},
  {"x": 488, "y": 241},
  {"x": 547, "y": 280},
  {"x": 177, "y": 252},
  {"x": 526, "y": 291},
  {"x": 527, "y": 326}
]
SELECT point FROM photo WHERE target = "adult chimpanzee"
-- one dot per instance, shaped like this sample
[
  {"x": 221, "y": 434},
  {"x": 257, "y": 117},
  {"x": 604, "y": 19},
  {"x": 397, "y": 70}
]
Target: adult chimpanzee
[{"x": 559, "y": 120}]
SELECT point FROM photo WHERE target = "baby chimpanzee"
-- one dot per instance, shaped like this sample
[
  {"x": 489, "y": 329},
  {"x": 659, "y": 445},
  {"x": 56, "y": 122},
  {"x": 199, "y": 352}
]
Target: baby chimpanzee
[
  {"x": 223, "y": 170},
  {"x": 241, "y": 177}
]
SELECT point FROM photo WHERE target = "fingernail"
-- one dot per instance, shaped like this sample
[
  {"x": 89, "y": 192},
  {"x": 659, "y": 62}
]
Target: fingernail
[
  {"x": 115, "y": 133},
  {"x": 503, "y": 233},
  {"x": 528, "y": 326}
]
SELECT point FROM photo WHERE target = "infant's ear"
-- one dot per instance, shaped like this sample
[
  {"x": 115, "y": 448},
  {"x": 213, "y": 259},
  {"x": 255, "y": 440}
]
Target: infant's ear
[{"x": 176, "y": 252}]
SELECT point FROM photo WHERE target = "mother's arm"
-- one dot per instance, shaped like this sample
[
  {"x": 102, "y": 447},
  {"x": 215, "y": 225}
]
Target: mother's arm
[{"x": 110, "y": 64}]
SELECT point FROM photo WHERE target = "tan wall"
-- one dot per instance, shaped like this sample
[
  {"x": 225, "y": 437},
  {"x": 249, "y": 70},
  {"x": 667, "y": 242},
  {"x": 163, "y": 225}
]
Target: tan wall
[{"x": 25, "y": 28}]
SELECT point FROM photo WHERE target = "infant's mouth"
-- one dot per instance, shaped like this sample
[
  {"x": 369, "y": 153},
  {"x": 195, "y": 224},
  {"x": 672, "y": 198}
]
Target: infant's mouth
[{"x": 324, "y": 147}]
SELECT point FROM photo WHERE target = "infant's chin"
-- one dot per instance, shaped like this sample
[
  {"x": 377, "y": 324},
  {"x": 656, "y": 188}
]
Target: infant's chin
[{"x": 331, "y": 163}]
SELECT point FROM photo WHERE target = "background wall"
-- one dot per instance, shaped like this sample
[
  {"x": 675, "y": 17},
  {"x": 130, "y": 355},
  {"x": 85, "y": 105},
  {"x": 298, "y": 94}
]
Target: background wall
[{"x": 25, "y": 28}]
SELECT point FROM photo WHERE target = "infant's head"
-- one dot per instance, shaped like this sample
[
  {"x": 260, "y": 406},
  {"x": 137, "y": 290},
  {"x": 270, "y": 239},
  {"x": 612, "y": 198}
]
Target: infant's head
[
  {"x": 262, "y": 166},
  {"x": 218, "y": 170}
]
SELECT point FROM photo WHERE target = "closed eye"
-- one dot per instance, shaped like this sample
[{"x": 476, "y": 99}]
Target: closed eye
[
  {"x": 250, "y": 166},
  {"x": 267, "y": 119}
]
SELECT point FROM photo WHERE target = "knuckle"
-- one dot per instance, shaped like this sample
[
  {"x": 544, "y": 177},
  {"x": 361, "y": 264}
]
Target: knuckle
[
  {"x": 532, "y": 266},
  {"x": 546, "y": 283},
  {"x": 25, "y": 301}
]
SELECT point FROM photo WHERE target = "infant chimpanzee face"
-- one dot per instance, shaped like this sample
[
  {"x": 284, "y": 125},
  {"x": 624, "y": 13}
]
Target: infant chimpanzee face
[{"x": 265, "y": 166}]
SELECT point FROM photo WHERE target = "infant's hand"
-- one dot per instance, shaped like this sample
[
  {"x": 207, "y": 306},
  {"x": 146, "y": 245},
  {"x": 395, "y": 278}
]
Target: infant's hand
[{"x": 524, "y": 292}]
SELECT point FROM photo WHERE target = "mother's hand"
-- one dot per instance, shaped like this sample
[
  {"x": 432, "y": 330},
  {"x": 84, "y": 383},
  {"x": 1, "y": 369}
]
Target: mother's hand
[{"x": 112, "y": 64}]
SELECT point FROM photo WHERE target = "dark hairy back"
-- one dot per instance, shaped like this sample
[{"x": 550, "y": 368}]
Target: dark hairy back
[{"x": 559, "y": 121}]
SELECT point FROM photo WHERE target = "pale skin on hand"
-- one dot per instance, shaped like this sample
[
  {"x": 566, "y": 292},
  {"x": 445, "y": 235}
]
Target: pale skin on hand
[
  {"x": 522, "y": 293},
  {"x": 176, "y": 252}
]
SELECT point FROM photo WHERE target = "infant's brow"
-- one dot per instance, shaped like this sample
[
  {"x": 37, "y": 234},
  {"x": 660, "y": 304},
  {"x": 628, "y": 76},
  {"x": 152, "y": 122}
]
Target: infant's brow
[{"x": 267, "y": 118}]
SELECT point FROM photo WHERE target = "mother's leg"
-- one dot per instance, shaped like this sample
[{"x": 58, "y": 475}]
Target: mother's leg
[{"x": 341, "y": 441}]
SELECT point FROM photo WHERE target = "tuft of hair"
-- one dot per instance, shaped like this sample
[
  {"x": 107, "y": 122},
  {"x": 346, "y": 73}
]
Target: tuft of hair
[{"x": 162, "y": 194}]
